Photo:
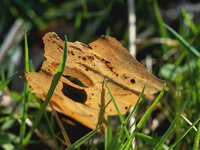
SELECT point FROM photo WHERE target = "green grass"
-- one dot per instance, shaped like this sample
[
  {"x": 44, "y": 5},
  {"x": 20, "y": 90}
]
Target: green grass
[
  {"x": 25, "y": 96},
  {"x": 85, "y": 21},
  {"x": 54, "y": 82}
]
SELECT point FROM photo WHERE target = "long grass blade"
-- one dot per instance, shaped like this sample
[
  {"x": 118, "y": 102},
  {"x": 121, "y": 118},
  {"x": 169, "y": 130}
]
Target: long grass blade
[
  {"x": 197, "y": 139},
  {"x": 108, "y": 134},
  {"x": 4, "y": 83},
  {"x": 150, "y": 110},
  {"x": 150, "y": 140},
  {"x": 100, "y": 117},
  {"x": 189, "y": 21},
  {"x": 54, "y": 82},
  {"x": 184, "y": 42},
  {"x": 170, "y": 129},
  {"x": 25, "y": 96},
  {"x": 117, "y": 109},
  {"x": 3, "y": 78},
  {"x": 51, "y": 131},
  {"x": 188, "y": 130},
  {"x": 83, "y": 139},
  {"x": 159, "y": 18},
  {"x": 136, "y": 105},
  {"x": 144, "y": 118}
]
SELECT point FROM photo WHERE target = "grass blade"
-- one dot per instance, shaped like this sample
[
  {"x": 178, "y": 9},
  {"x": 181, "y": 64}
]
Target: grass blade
[
  {"x": 108, "y": 134},
  {"x": 144, "y": 118},
  {"x": 83, "y": 139},
  {"x": 159, "y": 18},
  {"x": 4, "y": 83},
  {"x": 117, "y": 109},
  {"x": 148, "y": 139},
  {"x": 184, "y": 42},
  {"x": 188, "y": 130},
  {"x": 136, "y": 105},
  {"x": 25, "y": 96},
  {"x": 150, "y": 110},
  {"x": 189, "y": 21},
  {"x": 54, "y": 82},
  {"x": 2, "y": 75},
  {"x": 197, "y": 139},
  {"x": 100, "y": 117},
  {"x": 170, "y": 129}
]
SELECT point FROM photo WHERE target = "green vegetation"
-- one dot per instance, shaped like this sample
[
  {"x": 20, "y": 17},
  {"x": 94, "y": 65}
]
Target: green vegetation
[{"x": 166, "y": 33}]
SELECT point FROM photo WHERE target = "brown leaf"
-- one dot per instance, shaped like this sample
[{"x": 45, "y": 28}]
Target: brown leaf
[{"x": 104, "y": 58}]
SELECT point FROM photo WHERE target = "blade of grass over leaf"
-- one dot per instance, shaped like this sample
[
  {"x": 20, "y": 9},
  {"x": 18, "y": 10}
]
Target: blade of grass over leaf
[
  {"x": 100, "y": 117},
  {"x": 117, "y": 109},
  {"x": 170, "y": 129},
  {"x": 197, "y": 139},
  {"x": 83, "y": 139},
  {"x": 144, "y": 118},
  {"x": 184, "y": 42},
  {"x": 150, "y": 110},
  {"x": 188, "y": 130},
  {"x": 136, "y": 105},
  {"x": 25, "y": 95},
  {"x": 54, "y": 82},
  {"x": 101, "y": 114}
]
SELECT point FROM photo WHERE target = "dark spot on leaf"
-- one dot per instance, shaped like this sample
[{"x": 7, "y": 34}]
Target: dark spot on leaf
[
  {"x": 87, "y": 46},
  {"x": 107, "y": 61},
  {"x": 61, "y": 47},
  {"x": 84, "y": 58},
  {"x": 90, "y": 57},
  {"x": 126, "y": 107},
  {"x": 132, "y": 80},
  {"x": 79, "y": 56},
  {"x": 92, "y": 94},
  {"x": 111, "y": 68},
  {"x": 72, "y": 53},
  {"x": 76, "y": 48},
  {"x": 77, "y": 95},
  {"x": 54, "y": 36},
  {"x": 86, "y": 69},
  {"x": 110, "y": 109}
]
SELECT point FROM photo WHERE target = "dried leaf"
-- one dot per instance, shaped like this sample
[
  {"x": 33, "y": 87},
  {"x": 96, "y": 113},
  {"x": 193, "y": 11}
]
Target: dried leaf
[{"x": 104, "y": 58}]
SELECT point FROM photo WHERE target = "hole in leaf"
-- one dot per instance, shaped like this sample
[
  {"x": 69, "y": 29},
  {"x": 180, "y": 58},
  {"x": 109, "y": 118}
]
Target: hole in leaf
[{"x": 132, "y": 80}]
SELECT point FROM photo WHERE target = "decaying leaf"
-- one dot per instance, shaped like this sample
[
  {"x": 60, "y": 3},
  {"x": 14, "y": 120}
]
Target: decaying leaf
[{"x": 104, "y": 58}]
